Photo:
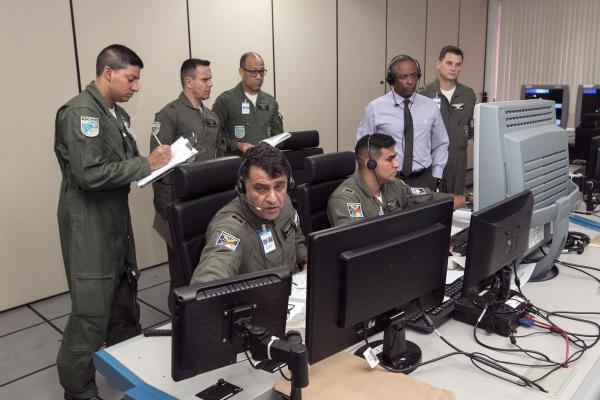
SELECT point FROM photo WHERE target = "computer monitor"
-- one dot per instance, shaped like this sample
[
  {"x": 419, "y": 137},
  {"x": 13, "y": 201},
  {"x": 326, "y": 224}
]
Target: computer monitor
[
  {"x": 363, "y": 275},
  {"x": 204, "y": 331},
  {"x": 498, "y": 236},
  {"x": 588, "y": 103},
  {"x": 557, "y": 93},
  {"x": 592, "y": 168},
  {"x": 518, "y": 147}
]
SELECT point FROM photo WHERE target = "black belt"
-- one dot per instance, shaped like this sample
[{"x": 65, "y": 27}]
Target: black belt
[{"x": 413, "y": 174}]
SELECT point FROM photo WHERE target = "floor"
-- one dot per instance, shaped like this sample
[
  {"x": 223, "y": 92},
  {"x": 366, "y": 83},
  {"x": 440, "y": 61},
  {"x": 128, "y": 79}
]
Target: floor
[{"x": 30, "y": 336}]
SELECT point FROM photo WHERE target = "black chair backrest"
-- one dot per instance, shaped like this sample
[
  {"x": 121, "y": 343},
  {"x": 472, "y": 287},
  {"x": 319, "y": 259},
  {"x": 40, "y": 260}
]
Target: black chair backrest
[
  {"x": 324, "y": 173},
  {"x": 302, "y": 144},
  {"x": 200, "y": 190}
]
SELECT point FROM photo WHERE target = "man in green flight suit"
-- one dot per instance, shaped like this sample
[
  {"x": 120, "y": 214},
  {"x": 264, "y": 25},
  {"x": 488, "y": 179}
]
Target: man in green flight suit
[
  {"x": 247, "y": 114},
  {"x": 374, "y": 189},
  {"x": 258, "y": 229},
  {"x": 456, "y": 103},
  {"x": 98, "y": 157},
  {"x": 188, "y": 117}
]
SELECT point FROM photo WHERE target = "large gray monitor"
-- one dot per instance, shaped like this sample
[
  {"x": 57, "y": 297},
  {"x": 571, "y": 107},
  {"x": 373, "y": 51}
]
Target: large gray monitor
[{"x": 519, "y": 147}]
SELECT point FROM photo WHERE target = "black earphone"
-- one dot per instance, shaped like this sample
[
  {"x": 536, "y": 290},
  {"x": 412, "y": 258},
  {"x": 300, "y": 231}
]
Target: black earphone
[
  {"x": 240, "y": 185},
  {"x": 390, "y": 78},
  {"x": 371, "y": 164}
]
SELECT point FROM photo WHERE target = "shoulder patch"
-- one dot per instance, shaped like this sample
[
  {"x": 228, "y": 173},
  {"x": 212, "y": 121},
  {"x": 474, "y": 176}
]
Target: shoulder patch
[
  {"x": 227, "y": 240},
  {"x": 90, "y": 126},
  {"x": 355, "y": 210},
  {"x": 238, "y": 219},
  {"x": 348, "y": 190},
  {"x": 417, "y": 191}
]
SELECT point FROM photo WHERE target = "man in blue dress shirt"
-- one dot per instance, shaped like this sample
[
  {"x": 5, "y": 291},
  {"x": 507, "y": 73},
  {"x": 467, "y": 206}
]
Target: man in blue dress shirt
[{"x": 413, "y": 120}]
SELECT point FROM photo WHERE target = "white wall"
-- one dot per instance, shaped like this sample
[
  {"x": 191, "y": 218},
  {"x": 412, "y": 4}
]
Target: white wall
[{"x": 326, "y": 60}]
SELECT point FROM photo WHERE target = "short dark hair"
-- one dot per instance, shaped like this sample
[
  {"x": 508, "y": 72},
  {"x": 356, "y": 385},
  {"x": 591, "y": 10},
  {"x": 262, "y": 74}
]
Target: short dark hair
[
  {"x": 373, "y": 143},
  {"x": 267, "y": 157},
  {"x": 188, "y": 68},
  {"x": 451, "y": 49},
  {"x": 246, "y": 55},
  {"x": 117, "y": 56}
]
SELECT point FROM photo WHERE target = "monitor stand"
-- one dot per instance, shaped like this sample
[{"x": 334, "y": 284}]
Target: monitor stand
[
  {"x": 398, "y": 353},
  {"x": 550, "y": 274}
]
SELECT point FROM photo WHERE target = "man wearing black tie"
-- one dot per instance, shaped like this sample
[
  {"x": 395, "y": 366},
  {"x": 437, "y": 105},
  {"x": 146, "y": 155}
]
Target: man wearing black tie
[{"x": 414, "y": 121}]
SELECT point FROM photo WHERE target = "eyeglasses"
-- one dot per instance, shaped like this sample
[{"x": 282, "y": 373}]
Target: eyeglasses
[{"x": 255, "y": 72}]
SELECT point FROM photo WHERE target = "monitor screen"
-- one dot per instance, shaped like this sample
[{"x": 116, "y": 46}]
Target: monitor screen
[
  {"x": 204, "y": 334},
  {"x": 557, "y": 93},
  {"x": 592, "y": 170},
  {"x": 498, "y": 236},
  {"x": 361, "y": 275},
  {"x": 588, "y": 103}
]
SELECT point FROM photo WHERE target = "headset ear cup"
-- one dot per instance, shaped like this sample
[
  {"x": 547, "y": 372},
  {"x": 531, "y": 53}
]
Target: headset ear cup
[
  {"x": 390, "y": 78},
  {"x": 371, "y": 164}
]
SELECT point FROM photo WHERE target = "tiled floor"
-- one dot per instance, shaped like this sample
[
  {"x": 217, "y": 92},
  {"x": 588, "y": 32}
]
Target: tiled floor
[{"x": 30, "y": 337}]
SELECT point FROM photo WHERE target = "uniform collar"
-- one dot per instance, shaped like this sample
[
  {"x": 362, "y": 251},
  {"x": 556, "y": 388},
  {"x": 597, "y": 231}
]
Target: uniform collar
[
  {"x": 93, "y": 90},
  {"x": 241, "y": 89},
  {"x": 361, "y": 184},
  {"x": 437, "y": 88},
  {"x": 187, "y": 102}
]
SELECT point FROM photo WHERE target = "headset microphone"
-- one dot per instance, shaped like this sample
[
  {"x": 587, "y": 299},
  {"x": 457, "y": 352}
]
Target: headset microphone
[{"x": 243, "y": 196}]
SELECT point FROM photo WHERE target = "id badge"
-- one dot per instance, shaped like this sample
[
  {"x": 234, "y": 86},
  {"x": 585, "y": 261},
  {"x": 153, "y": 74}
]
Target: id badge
[
  {"x": 266, "y": 238},
  {"x": 245, "y": 108}
]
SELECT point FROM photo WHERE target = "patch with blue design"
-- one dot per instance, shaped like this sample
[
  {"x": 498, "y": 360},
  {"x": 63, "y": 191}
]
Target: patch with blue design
[
  {"x": 228, "y": 240},
  {"x": 355, "y": 210},
  {"x": 90, "y": 126}
]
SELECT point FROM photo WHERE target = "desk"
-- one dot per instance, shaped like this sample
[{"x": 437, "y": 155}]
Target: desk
[{"x": 147, "y": 373}]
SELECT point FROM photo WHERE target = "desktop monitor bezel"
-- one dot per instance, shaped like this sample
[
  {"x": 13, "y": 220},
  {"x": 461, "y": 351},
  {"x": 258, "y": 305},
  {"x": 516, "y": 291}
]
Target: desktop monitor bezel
[{"x": 579, "y": 102}]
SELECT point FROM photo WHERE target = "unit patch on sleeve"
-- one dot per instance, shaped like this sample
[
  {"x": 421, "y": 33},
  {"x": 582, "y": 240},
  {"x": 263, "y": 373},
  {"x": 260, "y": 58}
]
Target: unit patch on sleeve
[
  {"x": 90, "y": 126},
  {"x": 228, "y": 240},
  {"x": 417, "y": 191},
  {"x": 355, "y": 210}
]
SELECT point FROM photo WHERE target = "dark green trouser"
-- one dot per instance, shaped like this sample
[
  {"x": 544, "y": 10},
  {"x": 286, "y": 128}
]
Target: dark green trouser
[
  {"x": 453, "y": 179},
  {"x": 85, "y": 334}
]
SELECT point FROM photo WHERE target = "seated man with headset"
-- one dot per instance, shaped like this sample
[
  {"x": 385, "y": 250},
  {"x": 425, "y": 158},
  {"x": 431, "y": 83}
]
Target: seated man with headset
[
  {"x": 374, "y": 189},
  {"x": 259, "y": 228}
]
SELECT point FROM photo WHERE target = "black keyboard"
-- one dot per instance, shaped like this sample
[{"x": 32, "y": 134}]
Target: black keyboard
[
  {"x": 440, "y": 313},
  {"x": 459, "y": 241}
]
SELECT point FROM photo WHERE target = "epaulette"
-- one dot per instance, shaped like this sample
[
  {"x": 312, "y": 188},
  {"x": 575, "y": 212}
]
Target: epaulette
[
  {"x": 348, "y": 190},
  {"x": 238, "y": 219}
]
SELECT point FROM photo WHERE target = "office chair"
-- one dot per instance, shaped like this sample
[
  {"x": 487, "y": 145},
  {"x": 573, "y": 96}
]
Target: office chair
[
  {"x": 200, "y": 190},
  {"x": 324, "y": 173}
]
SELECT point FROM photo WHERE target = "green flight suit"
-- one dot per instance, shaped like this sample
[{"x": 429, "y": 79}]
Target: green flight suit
[
  {"x": 234, "y": 246},
  {"x": 458, "y": 119},
  {"x": 352, "y": 201},
  {"x": 98, "y": 159},
  {"x": 178, "y": 119},
  {"x": 243, "y": 121}
]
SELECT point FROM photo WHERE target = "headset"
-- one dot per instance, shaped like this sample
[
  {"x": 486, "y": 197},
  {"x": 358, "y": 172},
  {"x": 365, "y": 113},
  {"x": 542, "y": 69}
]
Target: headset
[
  {"x": 240, "y": 185},
  {"x": 371, "y": 164},
  {"x": 390, "y": 78}
]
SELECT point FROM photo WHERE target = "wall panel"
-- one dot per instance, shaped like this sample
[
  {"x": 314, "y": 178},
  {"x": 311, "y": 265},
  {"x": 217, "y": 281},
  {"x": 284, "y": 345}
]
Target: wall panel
[
  {"x": 406, "y": 28},
  {"x": 37, "y": 76},
  {"x": 221, "y": 31},
  {"x": 442, "y": 29},
  {"x": 305, "y": 64},
  {"x": 157, "y": 31},
  {"x": 471, "y": 40},
  {"x": 362, "y": 63}
]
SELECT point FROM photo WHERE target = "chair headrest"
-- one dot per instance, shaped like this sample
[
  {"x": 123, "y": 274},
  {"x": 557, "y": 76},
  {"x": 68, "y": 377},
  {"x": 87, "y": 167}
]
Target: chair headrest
[
  {"x": 326, "y": 167},
  {"x": 201, "y": 178},
  {"x": 301, "y": 140}
]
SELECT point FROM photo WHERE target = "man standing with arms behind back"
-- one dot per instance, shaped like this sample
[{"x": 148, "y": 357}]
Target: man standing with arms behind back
[
  {"x": 99, "y": 158},
  {"x": 247, "y": 114},
  {"x": 187, "y": 117},
  {"x": 413, "y": 121},
  {"x": 456, "y": 103}
]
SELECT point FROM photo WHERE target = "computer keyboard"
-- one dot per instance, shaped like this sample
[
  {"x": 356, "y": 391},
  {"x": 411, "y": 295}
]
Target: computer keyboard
[
  {"x": 459, "y": 241},
  {"x": 440, "y": 313}
]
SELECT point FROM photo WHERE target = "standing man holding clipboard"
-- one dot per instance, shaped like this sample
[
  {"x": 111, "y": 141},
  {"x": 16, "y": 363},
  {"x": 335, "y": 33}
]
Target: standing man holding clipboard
[{"x": 99, "y": 159}]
